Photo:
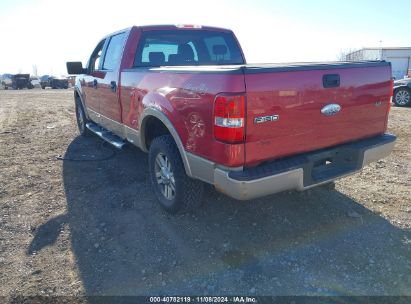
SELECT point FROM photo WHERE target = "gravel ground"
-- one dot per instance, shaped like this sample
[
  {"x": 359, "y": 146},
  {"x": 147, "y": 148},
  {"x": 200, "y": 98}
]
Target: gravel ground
[{"x": 94, "y": 227}]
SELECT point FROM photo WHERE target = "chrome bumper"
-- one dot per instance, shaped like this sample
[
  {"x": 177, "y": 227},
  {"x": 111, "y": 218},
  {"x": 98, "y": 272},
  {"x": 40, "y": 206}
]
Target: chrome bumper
[{"x": 294, "y": 179}]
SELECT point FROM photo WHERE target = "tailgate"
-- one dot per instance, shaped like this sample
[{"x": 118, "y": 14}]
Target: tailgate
[{"x": 294, "y": 109}]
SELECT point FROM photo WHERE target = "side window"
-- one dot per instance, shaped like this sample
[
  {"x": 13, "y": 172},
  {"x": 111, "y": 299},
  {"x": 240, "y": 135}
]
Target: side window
[
  {"x": 113, "y": 53},
  {"x": 94, "y": 62}
]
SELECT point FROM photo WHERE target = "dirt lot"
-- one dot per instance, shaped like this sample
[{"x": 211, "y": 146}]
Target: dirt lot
[{"x": 94, "y": 227}]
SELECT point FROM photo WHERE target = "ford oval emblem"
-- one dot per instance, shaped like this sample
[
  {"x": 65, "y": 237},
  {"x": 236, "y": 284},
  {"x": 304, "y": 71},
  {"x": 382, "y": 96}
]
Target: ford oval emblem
[{"x": 331, "y": 109}]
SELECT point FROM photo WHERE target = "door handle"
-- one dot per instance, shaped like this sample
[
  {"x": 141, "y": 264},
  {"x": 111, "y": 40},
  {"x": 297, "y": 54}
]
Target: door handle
[
  {"x": 95, "y": 83},
  {"x": 331, "y": 81},
  {"x": 113, "y": 86}
]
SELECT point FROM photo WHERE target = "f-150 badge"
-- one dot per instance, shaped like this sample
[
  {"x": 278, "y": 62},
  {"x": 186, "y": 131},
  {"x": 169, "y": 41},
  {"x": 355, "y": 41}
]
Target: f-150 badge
[{"x": 263, "y": 119}]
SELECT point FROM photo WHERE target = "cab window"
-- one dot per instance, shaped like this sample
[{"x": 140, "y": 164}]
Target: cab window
[
  {"x": 94, "y": 62},
  {"x": 114, "y": 50}
]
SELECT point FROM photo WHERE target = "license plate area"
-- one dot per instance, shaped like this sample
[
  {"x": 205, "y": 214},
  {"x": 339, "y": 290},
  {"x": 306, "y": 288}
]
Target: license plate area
[{"x": 329, "y": 164}]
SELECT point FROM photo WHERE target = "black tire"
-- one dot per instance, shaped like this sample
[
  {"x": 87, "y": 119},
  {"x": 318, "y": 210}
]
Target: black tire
[
  {"x": 402, "y": 97},
  {"x": 43, "y": 87},
  {"x": 187, "y": 191},
  {"x": 81, "y": 119}
]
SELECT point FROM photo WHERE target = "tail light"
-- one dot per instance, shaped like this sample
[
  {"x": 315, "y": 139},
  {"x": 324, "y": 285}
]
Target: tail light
[{"x": 229, "y": 119}]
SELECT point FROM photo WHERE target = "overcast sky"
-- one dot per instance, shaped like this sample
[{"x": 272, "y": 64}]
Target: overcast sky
[{"x": 48, "y": 33}]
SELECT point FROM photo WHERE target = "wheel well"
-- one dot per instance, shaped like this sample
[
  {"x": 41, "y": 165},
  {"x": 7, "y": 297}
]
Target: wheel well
[
  {"x": 402, "y": 87},
  {"x": 153, "y": 128}
]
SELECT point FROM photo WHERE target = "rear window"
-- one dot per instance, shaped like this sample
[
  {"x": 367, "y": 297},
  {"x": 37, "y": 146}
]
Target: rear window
[{"x": 187, "y": 47}]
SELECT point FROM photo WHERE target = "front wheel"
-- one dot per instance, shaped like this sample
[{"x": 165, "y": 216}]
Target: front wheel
[
  {"x": 175, "y": 191},
  {"x": 81, "y": 119},
  {"x": 402, "y": 97}
]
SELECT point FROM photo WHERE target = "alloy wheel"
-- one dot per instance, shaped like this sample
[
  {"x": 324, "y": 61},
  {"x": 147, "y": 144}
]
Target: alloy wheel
[
  {"x": 402, "y": 97},
  {"x": 165, "y": 176}
]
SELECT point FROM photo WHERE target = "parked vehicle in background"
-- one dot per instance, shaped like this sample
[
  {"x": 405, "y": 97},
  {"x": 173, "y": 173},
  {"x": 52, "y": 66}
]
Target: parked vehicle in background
[
  {"x": 20, "y": 81},
  {"x": 402, "y": 92},
  {"x": 54, "y": 82},
  {"x": 34, "y": 82},
  {"x": 185, "y": 95},
  {"x": 59, "y": 83},
  {"x": 6, "y": 81},
  {"x": 16, "y": 82},
  {"x": 44, "y": 81}
]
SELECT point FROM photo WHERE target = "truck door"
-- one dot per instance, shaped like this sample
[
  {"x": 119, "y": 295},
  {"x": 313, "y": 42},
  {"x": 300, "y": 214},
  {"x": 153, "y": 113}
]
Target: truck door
[
  {"x": 108, "y": 92},
  {"x": 89, "y": 82}
]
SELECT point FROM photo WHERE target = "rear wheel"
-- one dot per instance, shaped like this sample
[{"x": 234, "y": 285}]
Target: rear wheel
[
  {"x": 175, "y": 191},
  {"x": 402, "y": 97}
]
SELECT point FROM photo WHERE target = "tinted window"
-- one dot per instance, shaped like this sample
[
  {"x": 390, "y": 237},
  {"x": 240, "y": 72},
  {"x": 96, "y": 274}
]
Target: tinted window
[
  {"x": 113, "y": 53},
  {"x": 187, "y": 47},
  {"x": 94, "y": 62},
  {"x": 166, "y": 48}
]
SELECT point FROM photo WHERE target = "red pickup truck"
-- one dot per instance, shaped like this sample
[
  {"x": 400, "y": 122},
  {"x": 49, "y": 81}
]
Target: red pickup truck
[{"x": 185, "y": 95}]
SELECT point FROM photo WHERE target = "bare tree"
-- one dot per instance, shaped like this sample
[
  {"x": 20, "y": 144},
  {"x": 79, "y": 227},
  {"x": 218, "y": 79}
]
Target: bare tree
[
  {"x": 34, "y": 70},
  {"x": 350, "y": 55}
]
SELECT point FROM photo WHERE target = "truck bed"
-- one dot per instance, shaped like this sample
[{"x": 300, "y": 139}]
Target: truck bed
[{"x": 296, "y": 93}]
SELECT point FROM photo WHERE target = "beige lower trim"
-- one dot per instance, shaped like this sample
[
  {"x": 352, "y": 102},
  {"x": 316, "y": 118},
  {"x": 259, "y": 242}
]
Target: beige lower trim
[
  {"x": 372, "y": 155},
  {"x": 203, "y": 169},
  {"x": 132, "y": 136},
  {"x": 244, "y": 190},
  {"x": 290, "y": 180},
  {"x": 93, "y": 115},
  {"x": 112, "y": 125}
]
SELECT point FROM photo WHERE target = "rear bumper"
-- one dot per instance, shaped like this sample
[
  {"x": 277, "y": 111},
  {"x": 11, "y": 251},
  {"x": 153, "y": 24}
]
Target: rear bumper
[{"x": 303, "y": 171}]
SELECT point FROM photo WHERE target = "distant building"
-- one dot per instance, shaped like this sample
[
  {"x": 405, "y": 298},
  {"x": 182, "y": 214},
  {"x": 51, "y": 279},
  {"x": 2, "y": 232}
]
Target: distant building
[{"x": 398, "y": 56}]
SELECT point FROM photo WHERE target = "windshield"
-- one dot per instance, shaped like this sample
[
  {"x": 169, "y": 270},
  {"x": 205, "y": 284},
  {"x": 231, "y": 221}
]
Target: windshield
[{"x": 187, "y": 47}]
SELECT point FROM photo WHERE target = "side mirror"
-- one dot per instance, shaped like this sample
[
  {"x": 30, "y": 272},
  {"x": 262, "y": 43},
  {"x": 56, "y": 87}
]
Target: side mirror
[{"x": 75, "y": 68}]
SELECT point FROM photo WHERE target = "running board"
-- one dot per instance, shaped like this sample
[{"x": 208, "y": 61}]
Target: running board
[{"x": 106, "y": 135}]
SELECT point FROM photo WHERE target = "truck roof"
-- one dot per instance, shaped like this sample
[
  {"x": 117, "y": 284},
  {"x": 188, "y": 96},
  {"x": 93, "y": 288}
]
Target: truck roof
[
  {"x": 160, "y": 27},
  {"x": 180, "y": 26}
]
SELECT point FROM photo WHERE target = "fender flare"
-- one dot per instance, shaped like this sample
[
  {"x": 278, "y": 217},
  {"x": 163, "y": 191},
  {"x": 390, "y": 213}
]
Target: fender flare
[
  {"x": 80, "y": 95},
  {"x": 153, "y": 112}
]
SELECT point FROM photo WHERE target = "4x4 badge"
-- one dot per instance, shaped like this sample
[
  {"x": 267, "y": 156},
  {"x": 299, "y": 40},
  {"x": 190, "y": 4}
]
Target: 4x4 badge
[{"x": 263, "y": 119}]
